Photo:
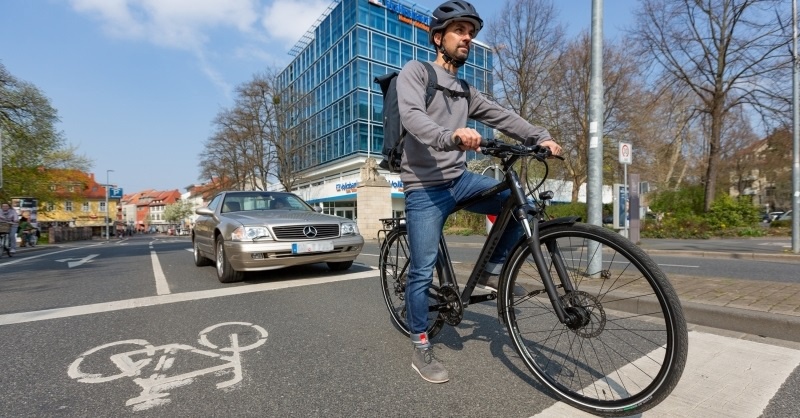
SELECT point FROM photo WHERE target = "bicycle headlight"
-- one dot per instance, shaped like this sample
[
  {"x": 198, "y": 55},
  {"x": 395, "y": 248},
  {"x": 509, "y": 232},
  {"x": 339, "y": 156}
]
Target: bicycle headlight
[
  {"x": 349, "y": 228},
  {"x": 249, "y": 233}
]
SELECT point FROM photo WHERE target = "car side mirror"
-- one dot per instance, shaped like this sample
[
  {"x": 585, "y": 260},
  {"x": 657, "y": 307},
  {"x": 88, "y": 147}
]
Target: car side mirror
[
  {"x": 318, "y": 209},
  {"x": 204, "y": 211}
]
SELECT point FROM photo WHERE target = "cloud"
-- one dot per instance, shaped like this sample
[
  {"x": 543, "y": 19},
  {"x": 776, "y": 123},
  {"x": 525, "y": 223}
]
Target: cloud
[
  {"x": 182, "y": 24},
  {"x": 216, "y": 32},
  {"x": 289, "y": 20}
]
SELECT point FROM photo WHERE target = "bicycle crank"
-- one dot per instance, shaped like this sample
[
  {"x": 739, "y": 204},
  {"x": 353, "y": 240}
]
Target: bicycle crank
[
  {"x": 587, "y": 318},
  {"x": 451, "y": 309}
]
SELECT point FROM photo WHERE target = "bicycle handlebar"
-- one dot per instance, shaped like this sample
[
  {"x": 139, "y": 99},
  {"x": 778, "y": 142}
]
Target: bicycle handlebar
[{"x": 500, "y": 149}]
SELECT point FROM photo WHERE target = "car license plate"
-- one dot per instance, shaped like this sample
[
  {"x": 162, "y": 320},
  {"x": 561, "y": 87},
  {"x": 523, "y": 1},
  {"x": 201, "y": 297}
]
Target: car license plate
[{"x": 311, "y": 247}]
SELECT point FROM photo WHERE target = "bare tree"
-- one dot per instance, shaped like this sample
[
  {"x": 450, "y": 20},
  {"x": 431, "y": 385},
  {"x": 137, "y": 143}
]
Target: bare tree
[
  {"x": 527, "y": 43},
  {"x": 726, "y": 52},
  {"x": 565, "y": 110},
  {"x": 251, "y": 146}
]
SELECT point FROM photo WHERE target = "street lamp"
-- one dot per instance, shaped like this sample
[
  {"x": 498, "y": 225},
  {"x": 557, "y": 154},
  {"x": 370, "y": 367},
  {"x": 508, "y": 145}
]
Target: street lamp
[{"x": 107, "y": 185}]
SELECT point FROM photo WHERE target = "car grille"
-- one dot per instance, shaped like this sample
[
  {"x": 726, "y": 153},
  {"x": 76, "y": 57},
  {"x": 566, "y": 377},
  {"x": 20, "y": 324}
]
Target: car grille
[{"x": 297, "y": 232}]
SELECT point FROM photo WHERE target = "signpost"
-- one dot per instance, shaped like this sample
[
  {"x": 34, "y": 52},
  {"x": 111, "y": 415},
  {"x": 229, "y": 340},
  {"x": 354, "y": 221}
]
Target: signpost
[{"x": 625, "y": 158}]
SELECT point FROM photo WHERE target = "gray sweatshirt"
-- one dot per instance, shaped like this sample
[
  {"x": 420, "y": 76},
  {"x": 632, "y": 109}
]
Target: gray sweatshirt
[{"x": 431, "y": 157}]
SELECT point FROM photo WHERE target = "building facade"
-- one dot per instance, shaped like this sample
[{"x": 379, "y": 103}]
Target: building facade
[
  {"x": 337, "y": 107},
  {"x": 80, "y": 202}
]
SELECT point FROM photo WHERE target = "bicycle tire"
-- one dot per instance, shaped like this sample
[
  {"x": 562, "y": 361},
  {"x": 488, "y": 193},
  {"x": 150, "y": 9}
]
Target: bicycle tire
[
  {"x": 630, "y": 352},
  {"x": 394, "y": 264}
]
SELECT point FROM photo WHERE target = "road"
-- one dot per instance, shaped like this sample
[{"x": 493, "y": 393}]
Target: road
[{"x": 132, "y": 327}]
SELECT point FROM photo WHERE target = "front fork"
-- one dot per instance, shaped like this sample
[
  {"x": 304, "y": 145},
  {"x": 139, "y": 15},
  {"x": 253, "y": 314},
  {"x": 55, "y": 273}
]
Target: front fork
[{"x": 523, "y": 214}]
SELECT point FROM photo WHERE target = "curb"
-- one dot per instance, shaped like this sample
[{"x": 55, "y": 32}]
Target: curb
[
  {"x": 764, "y": 324},
  {"x": 719, "y": 254}
]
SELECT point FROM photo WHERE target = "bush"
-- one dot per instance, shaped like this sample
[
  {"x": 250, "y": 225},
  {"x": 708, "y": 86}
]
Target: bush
[
  {"x": 677, "y": 227},
  {"x": 465, "y": 223},
  {"x": 680, "y": 203},
  {"x": 727, "y": 212},
  {"x": 559, "y": 210}
]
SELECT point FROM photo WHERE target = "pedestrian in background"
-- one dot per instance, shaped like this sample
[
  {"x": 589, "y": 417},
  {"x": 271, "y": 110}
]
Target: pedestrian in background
[
  {"x": 8, "y": 214},
  {"x": 25, "y": 232}
]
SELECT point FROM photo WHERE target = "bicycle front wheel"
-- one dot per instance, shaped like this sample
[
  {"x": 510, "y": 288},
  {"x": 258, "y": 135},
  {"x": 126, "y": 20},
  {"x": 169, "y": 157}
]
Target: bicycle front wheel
[
  {"x": 394, "y": 264},
  {"x": 629, "y": 348}
]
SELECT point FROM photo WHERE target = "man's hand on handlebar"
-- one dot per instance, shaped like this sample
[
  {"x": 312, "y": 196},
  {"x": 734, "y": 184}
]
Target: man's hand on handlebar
[
  {"x": 555, "y": 149},
  {"x": 467, "y": 139}
]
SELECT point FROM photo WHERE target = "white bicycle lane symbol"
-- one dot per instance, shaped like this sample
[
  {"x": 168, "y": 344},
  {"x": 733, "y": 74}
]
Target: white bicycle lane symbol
[{"x": 155, "y": 385}]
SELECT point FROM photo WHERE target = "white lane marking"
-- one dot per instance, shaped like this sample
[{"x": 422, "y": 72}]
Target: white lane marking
[
  {"x": 724, "y": 376},
  {"x": 19, "y": 260},
  {"x": 376, "y": 255},
  {"x": 75, "y": 262},
  {"x": 162, "y": 288},
  {"x": 21, "y": 317},
  {"x": 679, "y": 265}
]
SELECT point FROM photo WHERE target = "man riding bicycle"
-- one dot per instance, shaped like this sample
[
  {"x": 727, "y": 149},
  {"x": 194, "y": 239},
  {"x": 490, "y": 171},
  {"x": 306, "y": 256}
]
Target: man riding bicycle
[{"x": 434, "y": 170}]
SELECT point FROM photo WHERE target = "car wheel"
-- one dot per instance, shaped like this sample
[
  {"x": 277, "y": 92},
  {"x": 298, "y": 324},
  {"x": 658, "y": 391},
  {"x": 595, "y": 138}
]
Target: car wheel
[
  {"x": 339, "y": 265},
  {"x": 199, "y": 260},
  {"x": 225, "y": 273}
]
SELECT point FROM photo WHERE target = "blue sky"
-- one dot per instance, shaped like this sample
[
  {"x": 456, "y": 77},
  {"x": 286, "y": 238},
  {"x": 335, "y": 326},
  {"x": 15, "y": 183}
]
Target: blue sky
[{"x": 137, "y": 82}]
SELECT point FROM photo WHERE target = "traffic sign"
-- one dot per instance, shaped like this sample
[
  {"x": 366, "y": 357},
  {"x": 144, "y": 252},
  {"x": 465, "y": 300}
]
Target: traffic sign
[
  {"x": 625, "y": 152},
  {"x": 115, "y": 192}
]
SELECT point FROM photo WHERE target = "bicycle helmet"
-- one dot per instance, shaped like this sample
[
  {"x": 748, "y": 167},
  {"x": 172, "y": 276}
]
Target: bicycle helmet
[{"x": 449, "y": 12}]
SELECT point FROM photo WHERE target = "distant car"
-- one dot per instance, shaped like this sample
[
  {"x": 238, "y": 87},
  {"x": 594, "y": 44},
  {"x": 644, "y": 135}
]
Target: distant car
[
  {"x": 786, "y": 216},
  {"x": 769, "y": 217},
  {"x": 255, "y": 231}
]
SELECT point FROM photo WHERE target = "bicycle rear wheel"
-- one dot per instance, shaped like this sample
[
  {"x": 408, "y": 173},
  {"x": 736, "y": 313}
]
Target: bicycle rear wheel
[
  {"x": 630, "y": 349},
  {"x": 394, "y": 265}
]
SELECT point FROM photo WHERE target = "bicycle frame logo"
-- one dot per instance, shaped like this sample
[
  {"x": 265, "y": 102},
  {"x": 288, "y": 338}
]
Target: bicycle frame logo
[{"x": 165, "y": 373}]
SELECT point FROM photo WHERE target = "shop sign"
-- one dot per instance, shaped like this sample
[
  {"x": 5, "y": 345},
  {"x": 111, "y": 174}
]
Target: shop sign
[
  {"x": 349, "y": 187},
  {"x": 407, "y": 14}
]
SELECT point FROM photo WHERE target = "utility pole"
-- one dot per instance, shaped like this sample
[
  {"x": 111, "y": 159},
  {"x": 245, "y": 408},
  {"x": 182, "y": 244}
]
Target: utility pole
[
  {"x": 107, "y": 216},
  {"x": 594, "y": 186},
  {"x": 795, "y": 136}
]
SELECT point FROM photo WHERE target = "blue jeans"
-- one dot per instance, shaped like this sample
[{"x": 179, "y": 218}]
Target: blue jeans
[{"x": 426, "y": 211}]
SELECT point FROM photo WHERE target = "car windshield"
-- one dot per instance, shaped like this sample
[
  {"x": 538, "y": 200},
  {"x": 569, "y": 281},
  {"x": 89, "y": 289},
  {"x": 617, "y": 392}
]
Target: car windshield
[{"x": 238, "y": 202}]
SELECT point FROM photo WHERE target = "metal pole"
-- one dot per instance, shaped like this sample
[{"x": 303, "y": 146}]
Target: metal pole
[
  {"x": 107, "y": 212},
  {"x": 627, "y": 206},
  {"x": 795, "y": 136},
  {"x": 594, "y": 186}
]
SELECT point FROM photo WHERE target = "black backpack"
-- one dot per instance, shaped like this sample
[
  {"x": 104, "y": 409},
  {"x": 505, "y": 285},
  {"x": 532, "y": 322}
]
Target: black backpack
[{"x": 393, "y": 131}]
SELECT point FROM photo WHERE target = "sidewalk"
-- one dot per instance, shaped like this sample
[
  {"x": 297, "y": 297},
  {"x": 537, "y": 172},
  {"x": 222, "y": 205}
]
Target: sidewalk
[{"x": 758, "y": 307}]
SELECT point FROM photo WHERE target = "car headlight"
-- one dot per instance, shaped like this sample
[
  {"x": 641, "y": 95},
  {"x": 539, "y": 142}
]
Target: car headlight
[
  {"x": 249, "y": 233},
  {"x": 349, "y": 228}
]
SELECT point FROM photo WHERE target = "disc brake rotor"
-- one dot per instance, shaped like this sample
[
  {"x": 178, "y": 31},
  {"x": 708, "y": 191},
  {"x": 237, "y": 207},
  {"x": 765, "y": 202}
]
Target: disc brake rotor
[{"x": 590, "y": 311}]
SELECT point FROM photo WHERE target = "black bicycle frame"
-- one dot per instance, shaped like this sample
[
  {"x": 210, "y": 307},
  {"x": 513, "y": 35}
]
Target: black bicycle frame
[{"x": 515, "y": 208}]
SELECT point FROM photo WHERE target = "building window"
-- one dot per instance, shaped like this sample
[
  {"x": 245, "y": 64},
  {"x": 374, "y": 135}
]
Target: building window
[
  {"x": 68, "y": 206},
  {"x": 85, "y": 207},
  {"x": 102, "y": 206},
  {"x": 50, "y": 206}
]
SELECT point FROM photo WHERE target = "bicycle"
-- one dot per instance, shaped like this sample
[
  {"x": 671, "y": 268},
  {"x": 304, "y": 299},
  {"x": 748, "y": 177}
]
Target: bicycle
[
  {"x": 609, "y": 337},
  {"x": 5, "y": 236}
]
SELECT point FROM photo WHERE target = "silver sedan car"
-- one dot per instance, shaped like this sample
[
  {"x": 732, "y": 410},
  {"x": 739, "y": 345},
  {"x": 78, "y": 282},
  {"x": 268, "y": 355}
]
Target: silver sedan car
[{"x": 253, "y": 230}]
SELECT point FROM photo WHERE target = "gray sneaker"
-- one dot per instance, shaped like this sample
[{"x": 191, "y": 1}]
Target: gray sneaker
[
  {"x": 491, "y": 282},
  {"x": 424, "y": 362},
  {"x": 488, "y": 281}
]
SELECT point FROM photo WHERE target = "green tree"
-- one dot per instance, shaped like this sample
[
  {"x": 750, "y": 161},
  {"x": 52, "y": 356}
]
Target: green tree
[
  {"x": 30, "y": 142},
  {"x": 178, "y": 211}
]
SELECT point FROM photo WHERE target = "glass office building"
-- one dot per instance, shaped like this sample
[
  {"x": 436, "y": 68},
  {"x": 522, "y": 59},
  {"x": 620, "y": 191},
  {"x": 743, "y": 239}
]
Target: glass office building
[{"x": 336, "y": 108}]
